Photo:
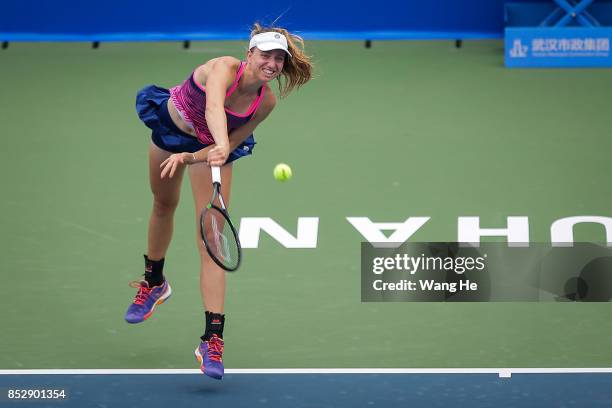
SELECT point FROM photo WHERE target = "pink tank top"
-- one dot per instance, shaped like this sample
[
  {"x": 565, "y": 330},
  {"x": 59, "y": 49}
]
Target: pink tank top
[{"x": 190, "y": 101}]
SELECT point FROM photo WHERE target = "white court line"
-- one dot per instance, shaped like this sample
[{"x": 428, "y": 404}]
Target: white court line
[
  {"x": 89, "y": 230},
  {"x": 502, "y": 372}
]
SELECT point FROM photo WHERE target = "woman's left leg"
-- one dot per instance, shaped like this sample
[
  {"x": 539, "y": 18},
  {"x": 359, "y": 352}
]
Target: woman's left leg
[{"x": 212, "y": 277}]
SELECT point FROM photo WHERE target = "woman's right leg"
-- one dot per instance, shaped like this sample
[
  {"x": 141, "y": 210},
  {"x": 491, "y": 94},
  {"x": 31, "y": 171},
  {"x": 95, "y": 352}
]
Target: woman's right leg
[
  {"x": 166, "y": 193},
  {"x": 154, "y": 290}
]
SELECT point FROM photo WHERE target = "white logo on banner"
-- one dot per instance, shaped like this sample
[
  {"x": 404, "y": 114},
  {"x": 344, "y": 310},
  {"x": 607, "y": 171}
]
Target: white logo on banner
[
  {"x": 515, "y": 229},
  {"x": 576, "y": 47},
  {"x": 518, "y": 49}
]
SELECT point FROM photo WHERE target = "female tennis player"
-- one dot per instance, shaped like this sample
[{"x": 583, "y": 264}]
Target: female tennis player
[{"x": 208, "y": 120}]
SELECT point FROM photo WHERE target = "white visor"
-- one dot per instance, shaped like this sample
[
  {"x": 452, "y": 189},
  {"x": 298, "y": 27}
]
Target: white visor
[{"x": 268, "y": 41}]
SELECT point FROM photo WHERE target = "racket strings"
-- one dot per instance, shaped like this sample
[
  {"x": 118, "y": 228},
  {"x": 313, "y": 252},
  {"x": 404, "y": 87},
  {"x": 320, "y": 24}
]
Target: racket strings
[
  {"x": 221, "y": 242},
  {"x": 221, "y": 238}
]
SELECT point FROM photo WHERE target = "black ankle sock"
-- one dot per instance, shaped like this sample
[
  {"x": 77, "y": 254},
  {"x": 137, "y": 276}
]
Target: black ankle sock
[
  {"x": 154, "y": 271},
  {"x": 214, "y": 325}
]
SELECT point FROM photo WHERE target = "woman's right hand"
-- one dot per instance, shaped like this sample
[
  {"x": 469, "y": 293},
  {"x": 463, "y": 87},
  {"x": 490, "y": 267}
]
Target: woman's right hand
[
  {"x": 176, "y": 160},
  {"x": 217, "y": 156}
]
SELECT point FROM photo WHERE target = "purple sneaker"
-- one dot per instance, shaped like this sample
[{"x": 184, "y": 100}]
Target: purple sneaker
[
  {"x": 210, "y": 357},
  {"x": 145, "y": 301}
]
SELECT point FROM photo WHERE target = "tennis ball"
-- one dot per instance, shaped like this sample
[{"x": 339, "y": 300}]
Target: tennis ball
[{"x": 282, "y": 172}]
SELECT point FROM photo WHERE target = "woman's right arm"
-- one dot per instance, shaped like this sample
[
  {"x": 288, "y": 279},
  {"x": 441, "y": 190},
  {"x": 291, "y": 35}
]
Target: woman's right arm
[{"x": 219, "y": 78}]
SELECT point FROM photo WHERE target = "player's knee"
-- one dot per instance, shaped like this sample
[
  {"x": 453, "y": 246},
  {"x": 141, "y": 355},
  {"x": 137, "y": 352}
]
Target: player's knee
[
  {"x": 202, "y": 250},
  {"x": 209, "y": 238},
  {"x": 164, "y": 207}
]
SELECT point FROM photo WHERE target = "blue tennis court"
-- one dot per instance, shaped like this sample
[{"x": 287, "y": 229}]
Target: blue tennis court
[{"x": 318, "y": 390}]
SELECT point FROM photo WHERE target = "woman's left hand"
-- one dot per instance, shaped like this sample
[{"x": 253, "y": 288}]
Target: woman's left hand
[{"x": 173, "y": 162}]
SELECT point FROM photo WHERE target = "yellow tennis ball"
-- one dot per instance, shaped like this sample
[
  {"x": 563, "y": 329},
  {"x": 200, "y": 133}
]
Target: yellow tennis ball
[{"x": 282, "y": 172}]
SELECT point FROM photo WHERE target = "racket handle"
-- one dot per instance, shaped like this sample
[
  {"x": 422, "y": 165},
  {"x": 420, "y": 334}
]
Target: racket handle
[{"x": 216, "y": 174}]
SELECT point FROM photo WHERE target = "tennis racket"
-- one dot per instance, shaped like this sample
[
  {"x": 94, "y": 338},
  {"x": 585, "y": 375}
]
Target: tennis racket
[{"x": 218, "y": 233}]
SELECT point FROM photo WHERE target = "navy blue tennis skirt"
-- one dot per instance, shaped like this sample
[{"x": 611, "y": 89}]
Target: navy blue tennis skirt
[{"x": 152, "y": 108}]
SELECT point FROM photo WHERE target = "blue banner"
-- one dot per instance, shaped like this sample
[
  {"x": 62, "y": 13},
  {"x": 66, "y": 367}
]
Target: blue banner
[
  {"x": 558, "y": 47},
  {"x": 154, "y": 20}
]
